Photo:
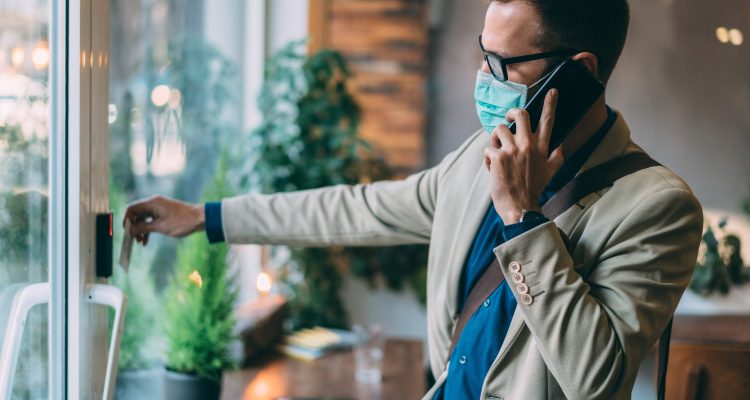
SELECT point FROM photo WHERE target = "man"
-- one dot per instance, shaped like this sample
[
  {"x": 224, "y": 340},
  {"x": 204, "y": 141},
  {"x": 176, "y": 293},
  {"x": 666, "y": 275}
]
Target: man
[{"x": 585, "y": 309}]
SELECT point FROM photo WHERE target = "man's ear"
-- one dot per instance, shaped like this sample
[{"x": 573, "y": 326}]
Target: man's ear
[{"x": 588, "y": 60}]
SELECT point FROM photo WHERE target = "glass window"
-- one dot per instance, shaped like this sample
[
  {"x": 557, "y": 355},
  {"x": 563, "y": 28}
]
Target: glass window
[{"x": 24, "y": 184}]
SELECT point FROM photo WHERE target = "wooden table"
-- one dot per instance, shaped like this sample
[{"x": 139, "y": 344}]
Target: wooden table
[
  {"x": 331, "y": 376},
  {"x": 709, "y": 358}
]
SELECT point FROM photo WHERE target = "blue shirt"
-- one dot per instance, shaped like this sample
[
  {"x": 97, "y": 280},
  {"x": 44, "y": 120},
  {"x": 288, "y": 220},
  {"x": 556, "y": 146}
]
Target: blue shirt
[
  {"x": 483, "y": 335},
  {"x": 485, "y": 331}
]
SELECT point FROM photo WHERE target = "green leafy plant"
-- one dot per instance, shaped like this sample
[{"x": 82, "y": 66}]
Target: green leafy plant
[
  {"x": 720, "y": 263},
  {"x": 200, "y": 300},
  {"x": 308, "y": 139},
  {"x": 137, "y": 350}
]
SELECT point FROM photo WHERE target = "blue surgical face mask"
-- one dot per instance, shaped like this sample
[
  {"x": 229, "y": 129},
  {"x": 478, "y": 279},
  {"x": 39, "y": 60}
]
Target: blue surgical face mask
[{"x": 494, "y": 99}]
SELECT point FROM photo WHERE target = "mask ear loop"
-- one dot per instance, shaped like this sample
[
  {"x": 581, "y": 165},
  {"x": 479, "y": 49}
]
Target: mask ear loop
[
  {"x": 542, "y": 79},
  {"x": 545, "y": 77}
]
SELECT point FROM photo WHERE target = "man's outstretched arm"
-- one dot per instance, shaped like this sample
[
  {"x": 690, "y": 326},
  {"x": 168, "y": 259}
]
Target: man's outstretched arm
[
  {"x": 374, "y": 214},
  {"x": 380, "y": 213}
]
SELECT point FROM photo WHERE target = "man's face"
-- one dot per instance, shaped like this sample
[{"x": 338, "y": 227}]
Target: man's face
[{"x": 510, "y": 30}]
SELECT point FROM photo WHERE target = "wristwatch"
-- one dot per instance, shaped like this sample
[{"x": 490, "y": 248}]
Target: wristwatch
[{"x": 531, "y": 215}]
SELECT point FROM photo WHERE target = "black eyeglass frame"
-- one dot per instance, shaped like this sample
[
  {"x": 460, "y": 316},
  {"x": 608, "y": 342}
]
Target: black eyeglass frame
[{"x": 504, "y": 62}]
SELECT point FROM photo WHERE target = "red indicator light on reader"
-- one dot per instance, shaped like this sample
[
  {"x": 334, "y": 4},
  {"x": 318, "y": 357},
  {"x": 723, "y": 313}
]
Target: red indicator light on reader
[{"x": 104, "y": 228}]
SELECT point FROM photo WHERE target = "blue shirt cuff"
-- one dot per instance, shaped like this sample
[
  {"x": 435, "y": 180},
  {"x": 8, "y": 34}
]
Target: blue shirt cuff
[
  {"x": 512, "y": 231},
  {"x": 214, "y": 228}
]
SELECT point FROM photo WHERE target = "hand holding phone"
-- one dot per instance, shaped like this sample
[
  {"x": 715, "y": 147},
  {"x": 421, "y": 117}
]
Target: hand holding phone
[
  {"x": 522, "y": 164},
  {"x": 578, "y": 90}
]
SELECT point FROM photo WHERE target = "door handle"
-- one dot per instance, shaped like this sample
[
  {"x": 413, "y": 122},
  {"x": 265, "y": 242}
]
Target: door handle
[
  {"x": 108, "y": 295},
  {"x": 23, "y": 297}
]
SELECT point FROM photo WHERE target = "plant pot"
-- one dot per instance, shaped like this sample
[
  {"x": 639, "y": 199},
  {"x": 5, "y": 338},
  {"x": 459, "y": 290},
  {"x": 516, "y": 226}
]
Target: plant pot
[
  {"x": 179, "y": 386},
  {"x": 139, "y": 384}
]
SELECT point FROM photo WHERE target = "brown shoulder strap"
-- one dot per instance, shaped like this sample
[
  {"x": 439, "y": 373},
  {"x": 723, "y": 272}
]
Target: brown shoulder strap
[
  {"x": 485, "y": 286},
  {"x": 594, "y": 180},
  {"x": 591, "y": 181}
]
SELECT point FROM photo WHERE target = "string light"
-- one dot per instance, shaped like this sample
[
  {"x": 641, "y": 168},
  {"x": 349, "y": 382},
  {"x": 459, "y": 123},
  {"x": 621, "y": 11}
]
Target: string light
[
  {"x": 263, "y": 284},
  {"x": 160, "y": 95},
  {"x": 732, "y": 36},
  {"x": 175, "y": 98},
  {"x": 17, "y": 56},
  {"x": 736, "y": 37},
  {"x": 722, "y": 34},
  {"x": 40, "y": 56}
]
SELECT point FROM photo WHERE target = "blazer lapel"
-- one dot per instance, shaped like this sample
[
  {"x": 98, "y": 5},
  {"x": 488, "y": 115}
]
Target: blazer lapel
[{"x": 474, "y": 210}]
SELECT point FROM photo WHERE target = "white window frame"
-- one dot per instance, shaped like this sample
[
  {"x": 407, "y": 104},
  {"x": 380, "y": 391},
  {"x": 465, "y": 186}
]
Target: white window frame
[
  {"x": 57, "y": 200},
  {"x": 87, "y": 191}
]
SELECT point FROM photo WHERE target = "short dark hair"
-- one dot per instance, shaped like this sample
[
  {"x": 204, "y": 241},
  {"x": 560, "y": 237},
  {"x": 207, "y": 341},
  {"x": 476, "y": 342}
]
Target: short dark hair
[{"x": 597, "y": 26}]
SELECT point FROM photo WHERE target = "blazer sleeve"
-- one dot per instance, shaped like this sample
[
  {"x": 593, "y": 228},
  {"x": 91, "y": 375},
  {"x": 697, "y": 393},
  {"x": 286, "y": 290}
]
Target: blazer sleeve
[
  {"x": 594, "y": 331},
  {"x": 381, "y": 213}
]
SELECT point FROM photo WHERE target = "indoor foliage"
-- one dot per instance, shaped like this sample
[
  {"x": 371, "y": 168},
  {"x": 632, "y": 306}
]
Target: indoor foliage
[
  {"x": 308, "y": 139},
  {"x": 200, "y": 298},
  {"x": 720, "y": 263}
]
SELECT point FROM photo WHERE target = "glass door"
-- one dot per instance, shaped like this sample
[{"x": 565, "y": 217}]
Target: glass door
[
  {"x": 32, "y": 278},
  {"x": 55, "y": 327}
]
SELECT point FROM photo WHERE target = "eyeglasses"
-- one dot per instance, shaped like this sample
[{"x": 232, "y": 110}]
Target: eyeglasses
[{"x": 499, "y": 65}]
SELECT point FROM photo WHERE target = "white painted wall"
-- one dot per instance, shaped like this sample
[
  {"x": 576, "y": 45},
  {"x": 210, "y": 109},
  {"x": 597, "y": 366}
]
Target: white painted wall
[
  {"x": 287, "y": 21},
  {"x": 398, "y": 312}
]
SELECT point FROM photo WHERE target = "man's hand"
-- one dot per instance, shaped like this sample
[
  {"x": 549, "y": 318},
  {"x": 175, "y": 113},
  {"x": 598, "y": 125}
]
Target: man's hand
[
  {"x": 163, "y": 215},
  {"x": 518, "y": 164}
]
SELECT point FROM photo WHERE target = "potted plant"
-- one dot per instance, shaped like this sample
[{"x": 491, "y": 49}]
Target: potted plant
[
  {"x": 138, "y": 373},
  {"x": 199, "y": 323}
]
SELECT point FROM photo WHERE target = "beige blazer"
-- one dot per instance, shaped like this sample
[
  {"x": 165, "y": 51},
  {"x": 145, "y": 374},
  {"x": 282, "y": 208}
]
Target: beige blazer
[{"x": 591, "y": 316}]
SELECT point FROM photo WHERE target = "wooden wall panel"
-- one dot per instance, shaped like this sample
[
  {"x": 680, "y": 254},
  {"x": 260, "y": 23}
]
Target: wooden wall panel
[{"x": 385, "y": 42}]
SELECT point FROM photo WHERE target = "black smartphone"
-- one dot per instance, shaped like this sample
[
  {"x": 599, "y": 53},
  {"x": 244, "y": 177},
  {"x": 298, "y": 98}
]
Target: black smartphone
[{"x": 578, "y": 89}]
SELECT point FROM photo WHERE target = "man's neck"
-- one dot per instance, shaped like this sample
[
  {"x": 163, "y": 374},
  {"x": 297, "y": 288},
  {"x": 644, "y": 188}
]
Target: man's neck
[{"x": 588, "y": 127}]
